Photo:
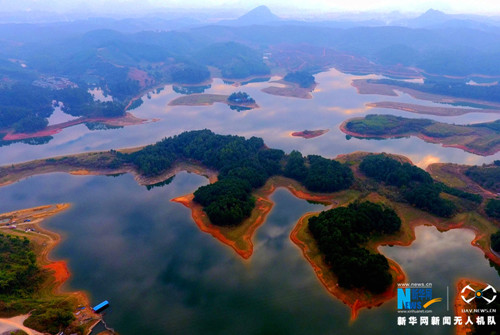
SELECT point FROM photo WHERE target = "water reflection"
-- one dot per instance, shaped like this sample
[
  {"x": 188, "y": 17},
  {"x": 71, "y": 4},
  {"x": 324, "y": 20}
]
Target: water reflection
[
  {"x": 190, "y": 89},
  {"x": 162, "y": 275},
  {"x": 334, "y": 101}
]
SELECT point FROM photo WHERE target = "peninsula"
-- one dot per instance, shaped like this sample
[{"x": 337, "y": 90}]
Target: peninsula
[
  {"x": 32, "y": 281},
  {"x": 478, "y": 138},
  {"x": 244, "y": 172},
  {"x": 298, "y": 84}
]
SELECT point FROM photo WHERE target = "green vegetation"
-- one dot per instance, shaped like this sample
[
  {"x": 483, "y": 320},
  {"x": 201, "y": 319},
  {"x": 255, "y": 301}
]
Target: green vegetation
[
  {"x": 78, "y": 102},
  {"x": 20, "y": 285},
  {"x": 18, "y": 332},
  {"x": 340, "y": 234},
  {"x": 488, "y": 176},
  {"x": 480, "y": 137},
  {"x": 495, "y": 241},
  {"x": 227, "y": 202},
  {"x": 302, "y": 78},
  {"x": 243, "y": 165},
  {"x": 320, "y": 174},
  {"x": 189, "y": 74},
  {"x": 386, "y": 125},
  {"x": 25, "y": 108},
  {"x": 235, "y": 60},
  {"x": 19, "y": 275},
  {"x": 416, "y": 185},
  {"x": 450, "y": 88},
  {"x": 190, "y": 89},
  {"x": 152, "y": 186},
  {"x": 136, "y": 104},
  {"x": 493, "y": 208},
  {"x": 240, "y": 98}
]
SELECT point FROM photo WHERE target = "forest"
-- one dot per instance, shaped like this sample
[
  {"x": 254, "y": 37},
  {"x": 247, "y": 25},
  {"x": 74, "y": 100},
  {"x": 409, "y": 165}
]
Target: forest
[
  {"x": 495, "y": 241},
  {"x": 26, "y": 108},
  {"x": 340, "y": 234},
  {"x": 492, "y": 208},
  {"x": 481, "y": 138},
  {"x": 318, "y": 174},
  {"x": 302, "y": 78},
  {"x": 374, "y": 124},
  {"x": 240, "y": 98},
  {"x": 243, "y": 166},
  {"x": 488, "y": 176},
  {"x": 416, "y": 185},
  {"x": 448, "y": 87},
  {"x": 234, "y": 60},
  {"x": 20, "y": 282}
]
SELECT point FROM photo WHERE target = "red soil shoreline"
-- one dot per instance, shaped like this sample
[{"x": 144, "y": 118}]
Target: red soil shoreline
[
  {"x": 460, "y": 305},
  {"x": 355, "y": 299},
  {"x": 126, "y": 120},
  {"x": 58, "y": 268},
  {"x": 201, "y": 220}
]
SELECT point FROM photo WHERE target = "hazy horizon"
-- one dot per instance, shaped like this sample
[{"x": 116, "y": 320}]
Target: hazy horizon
[{"x": 233, "y": 8}]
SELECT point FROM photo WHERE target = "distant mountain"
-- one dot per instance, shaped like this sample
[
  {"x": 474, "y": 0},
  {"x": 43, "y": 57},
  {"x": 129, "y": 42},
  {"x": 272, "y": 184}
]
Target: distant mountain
[
  {"x": 258, "y": 15},
  {"x": 437, "y": 19}
]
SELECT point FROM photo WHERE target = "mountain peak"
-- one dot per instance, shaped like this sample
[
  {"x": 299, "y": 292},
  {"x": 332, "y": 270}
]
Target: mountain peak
[
  {"x": 261, "y": 14},
  {"x": 433, "y": 13}
]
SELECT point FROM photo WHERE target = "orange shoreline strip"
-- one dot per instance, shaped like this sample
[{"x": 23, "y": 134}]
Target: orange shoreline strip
[
  {"x": 220, "y": 233},
  {"x": 59, "y": 268},
  {"x": 355, "y": 299},
  {"x": 126, "y": 120}
]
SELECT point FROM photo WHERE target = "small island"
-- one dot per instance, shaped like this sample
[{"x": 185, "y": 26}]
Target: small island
[
  {"x": 308, "y": 134},
  {"x": 480, "y": 138},
  {"x": 298, "y": 84},
  {"x": 237, "y": 99}
]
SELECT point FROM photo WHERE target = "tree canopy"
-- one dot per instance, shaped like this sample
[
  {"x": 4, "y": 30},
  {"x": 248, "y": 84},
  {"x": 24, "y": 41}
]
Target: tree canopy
[
  {"x": 416, "y": 185},
  {"x": 340, "y": 234},
  {"x": 243, "y": 165}
]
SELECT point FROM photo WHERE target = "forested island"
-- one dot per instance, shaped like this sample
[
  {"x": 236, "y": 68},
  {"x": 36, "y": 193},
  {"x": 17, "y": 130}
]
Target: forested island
[
  {"x": 297, "y": 84},
  {"x": 302, "y": 78},
  {"x": 479, "y": 138},
  {"x": 371, "y": 206},
  {"x": 235, "y": 100}
]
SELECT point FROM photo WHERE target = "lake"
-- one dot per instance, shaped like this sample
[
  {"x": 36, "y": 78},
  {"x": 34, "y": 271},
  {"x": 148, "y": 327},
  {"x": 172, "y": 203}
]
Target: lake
[
  {"x": 162, "y": 275},
  {"x": 334, "y": 100}
]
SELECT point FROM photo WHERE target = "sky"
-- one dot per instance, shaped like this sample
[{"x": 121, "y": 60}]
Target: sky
[{"x": 277, "y": 6}]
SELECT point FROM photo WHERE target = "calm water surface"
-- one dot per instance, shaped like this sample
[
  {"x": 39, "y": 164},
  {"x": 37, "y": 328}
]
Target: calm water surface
[
  {"x": 162, "y": 275},
  {"x": 334, "y": 101}
]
